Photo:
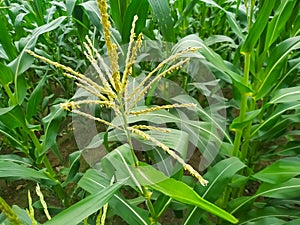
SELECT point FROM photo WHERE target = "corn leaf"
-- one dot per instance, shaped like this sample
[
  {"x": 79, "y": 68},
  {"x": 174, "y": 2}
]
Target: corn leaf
[
  {"x": 279, "y": 171},
  {"x": 286, "y": 95},
  {"x": 177, "y": 190},
  {"x": 85, "y": 207},
  {"x": 285, "y": 190},
  {"x": 278, "y": 22},
  {"x": 258, "y": 27},
  {"x": 12, "y": 117},
  {"x": 93, "y": 181},
  {"x": 219, "y": 176},
  {"x": 273, "y": 70},
  {"x": 6, "y": 75},
  {"x": 162, "y": 14},
  {"x": 139, "y": 8},
  {"x": 11, "y": 169}
]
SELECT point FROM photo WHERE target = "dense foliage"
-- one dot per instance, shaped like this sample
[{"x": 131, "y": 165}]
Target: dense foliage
[{"x": 224, "y": 83}]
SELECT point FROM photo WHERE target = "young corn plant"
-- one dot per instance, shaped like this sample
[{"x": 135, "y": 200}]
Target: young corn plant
[
  {"x": 262, "y": 162},
  {"x": 155, "y": 189}
]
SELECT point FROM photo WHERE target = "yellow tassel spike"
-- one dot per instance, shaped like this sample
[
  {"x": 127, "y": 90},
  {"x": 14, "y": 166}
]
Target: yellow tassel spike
[
  {"x": 94, "y": 90},
  {"x": 184, "y": 105},
  {"x": 131, "y": 54},
  {"x": 142, "y": 92},
  {"x": 69, "y": 106},
  {"x": 30, "y": 211},
  {"x": 44, "y": 204},
  {"x": 89, "y": 116},
  {"x": 111, "y": 48},
  {"x": 160, "y": 65},
  {"x": 146, "y": 127},
  {"x": 172, "y": 153},
  {"x": 105, "y": 83}
]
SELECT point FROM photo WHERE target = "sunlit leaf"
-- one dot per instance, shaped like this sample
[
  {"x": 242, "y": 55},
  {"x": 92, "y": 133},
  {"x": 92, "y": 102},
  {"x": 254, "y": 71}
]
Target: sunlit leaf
[
  {"x": 85, "y": 207},
  {"x": 272, "y": 72},
  {"x": 256, "y": 216},
  {"x": 286, "y": 95},
  {"x": 162, "y": 14},
  {"x": 218, "y": 177},
  {"x": 284, "y": 190},
  {"x": 182, "y": 193},
  {"x": 258, "y": 27},
  {"x": 11, "y": 169},
  {"x": 279, "y": 171},
  {"x": 93, "y": 181},
  {"x": 12, "y": 117}
]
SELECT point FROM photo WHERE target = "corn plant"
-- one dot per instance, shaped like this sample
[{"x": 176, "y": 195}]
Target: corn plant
[
  {"x": 122, "y": 162},
  {"x": 251, "y": 46},
  {"x": 28, "y": 124},
  {"x": 265, "y": 86}
]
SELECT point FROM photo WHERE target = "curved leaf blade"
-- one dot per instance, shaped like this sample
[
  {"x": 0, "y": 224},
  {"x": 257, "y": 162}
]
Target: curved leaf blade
[
  {"x": 12, "y": 117},
  {"x": 219, "y": 176},
  {"x": 178, "y": 191},
  {"x": 92, "y": 181},
  {"x": 162, "y": 14},
  {"x": 139, "y": 8},
  {"x": 11, "y": 169},
  {"x": 279, "y": 21},
  {"x": 87, "y": 206},
  {"x": 279, "y": 171},
  {"x": 286, "y": 95},
  {"x": 272, "y": 71},
  {"x": 258, "y": 27},
  {"x": 23, "y": 61},
  {"x": 288, "y": 189}
]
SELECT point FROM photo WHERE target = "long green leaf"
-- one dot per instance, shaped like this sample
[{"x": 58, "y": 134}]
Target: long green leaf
[
  {"x": 16, "y": 159},
  {"x": 23, "y": 61},
  {"x": 279, "y": 171},
  {"x": 292, "y": 148},
  {"x": 286, "y": 95},
  {"x": 87, "y": 206},
  {"x": 6, "y": 75},
  {"x": 92, "y": 10},
  {"x": 230, "y": 17},
  {"x": 70, "y": 4},
  {"x": 11, "y": 169},
  {"x": 272, "y": 72},
  {"x": 35, "y": 99},
  {"x": 92, "y": 181},
  {"x": 215, "y": 59},
  {"x": 162, "y": 14},
  {"x": 185, "y": 12},
  {"x": 117, "y": 9},
  {"x": 288, "y": 189},
  {"x": 278, "y": 22},
  {"x": 177, "y": 190},
  {"x": 238, "y": 124},
  {"x": 7, "y": 132},
  {"x": 277, "y": 112},
  {"x": 12, "y": 117},
  {"x": 6, "y": 39},
  {"x": 204, "y": 115},
  {"x": 166, "y": 117},
  {"x": 256, "y": 215},
  {"x": 51, "y": 123},
  {"x": 219, "y": 176},
  {"x": 139, "y": 8},
  {"x": 258, "y": 27}
]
